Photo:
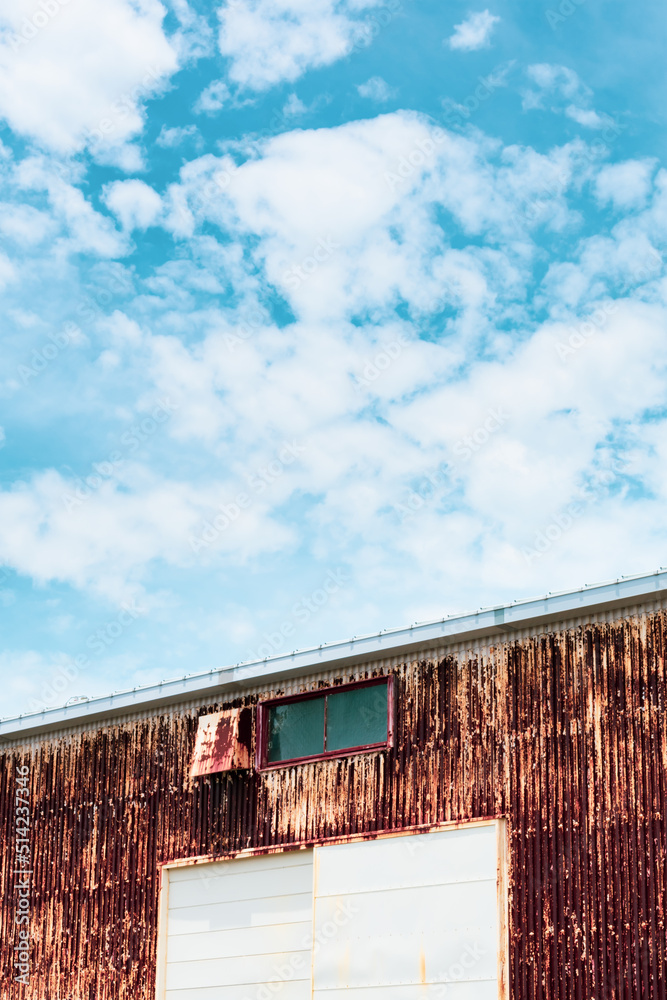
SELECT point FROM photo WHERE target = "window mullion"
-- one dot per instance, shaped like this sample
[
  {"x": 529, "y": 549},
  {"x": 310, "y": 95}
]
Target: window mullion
[{"x": 326, "y": 700}]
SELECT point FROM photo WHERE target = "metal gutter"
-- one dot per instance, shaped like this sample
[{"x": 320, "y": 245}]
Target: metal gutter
[{"x": 227, "y": 680}]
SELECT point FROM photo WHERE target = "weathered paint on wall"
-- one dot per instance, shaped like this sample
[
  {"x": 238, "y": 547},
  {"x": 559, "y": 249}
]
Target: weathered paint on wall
[{"x": 565, "y": 735}]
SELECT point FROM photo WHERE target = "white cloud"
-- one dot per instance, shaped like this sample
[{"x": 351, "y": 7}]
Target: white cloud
[
  {"x": 604, "y": 264},
  {"x": 7, "y": 271},
  {"x": 195, "y": 37},
  {"x": 442, "y": 230},
  {"x": 103, "y": 538},
  {"x": 372, "y": 241},
  {"x": 587, "y": 117},
  {"x": 572, "y": 97},
  {"x": 86, "y": 231},
  {"x": 626, "y": 185},
  {"x": 212, "y": 98},
  {"x": 370, "y": 232},
  {"x": 136, "y": 204},
  {"x": 294, "y": 107},
  {"x": 555, "y": 401},
  {"x": 78, "y": 74},
  {"x": 271, "y": 41},
  {"x": 558, "y": 79},
  {"x": 169, "y": 138},
  {"x": 24, "y": 224},
  {"x": 122, "y": 330},
  {"x": 127, "y": 156},
  {"x": 474, "y": 32},
  {"x": 376, "y": 89}
]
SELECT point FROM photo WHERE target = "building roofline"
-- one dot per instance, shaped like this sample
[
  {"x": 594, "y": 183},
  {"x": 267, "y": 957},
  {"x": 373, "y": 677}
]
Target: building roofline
[{"x": 507, "y": 618}]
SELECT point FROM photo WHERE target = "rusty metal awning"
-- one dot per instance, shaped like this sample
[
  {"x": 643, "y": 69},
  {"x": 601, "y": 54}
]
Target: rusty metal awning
[{"x": 223, "y": 742}]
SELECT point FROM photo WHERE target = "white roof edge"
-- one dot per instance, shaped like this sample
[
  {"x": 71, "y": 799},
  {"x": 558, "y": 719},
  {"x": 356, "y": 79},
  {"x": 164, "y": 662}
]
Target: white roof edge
[{"x": 551, "y": 607}]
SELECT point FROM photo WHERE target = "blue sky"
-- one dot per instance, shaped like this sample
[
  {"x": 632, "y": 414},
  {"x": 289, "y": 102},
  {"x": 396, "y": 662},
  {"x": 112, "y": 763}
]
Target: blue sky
[{"x": 319, "y": 318}]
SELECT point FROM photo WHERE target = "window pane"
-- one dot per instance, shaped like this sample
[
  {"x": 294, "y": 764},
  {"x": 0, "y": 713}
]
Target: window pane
[
  {"x": 357, "y": 717},
  {"x": 296, "y": 729}
]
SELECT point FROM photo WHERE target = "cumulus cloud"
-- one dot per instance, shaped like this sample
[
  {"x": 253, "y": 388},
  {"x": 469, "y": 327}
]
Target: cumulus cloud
[
  {"x": 372, "y": 242},
  {"x": 549, "y": 78},
  {"x": 587, "y": 117},
  {"x": 102, "y": 532},
  {"x": 512, "y": 443},
  {"x": 376, "y": 89},
  {"x": 170, "y": 138},
  {"x": 212, "y": 98},
  {"x": 474, "y": 32},
  {"x": 566, "y": 94},
  {"x": 7, "y": 270},
  {"x": 134, "y": 203},
  {"x": 294, "y": 107},
  {"x": 381, "y": 406},
  {"x": 24, "y": 224},
  {"x": 447, "y": 401},
  {"x": 85, "y": 230},
  {"x": 79, "y": 74},
  {"x": 625, "y": 185},
  {"x": 271, "y": 41}
]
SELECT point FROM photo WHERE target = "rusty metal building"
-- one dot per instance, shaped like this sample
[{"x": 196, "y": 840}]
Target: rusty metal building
[{"x": 499, "y": 828}]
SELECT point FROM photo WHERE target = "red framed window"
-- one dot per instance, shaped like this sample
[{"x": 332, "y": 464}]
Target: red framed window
[{"x": 330, "y": 722}]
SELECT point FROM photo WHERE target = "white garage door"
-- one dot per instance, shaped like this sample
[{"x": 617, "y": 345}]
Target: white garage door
[
  {"x": 408, "y": 918},
  {"x": 397, "y": 918},
  {"x": 241, "y": 930}
]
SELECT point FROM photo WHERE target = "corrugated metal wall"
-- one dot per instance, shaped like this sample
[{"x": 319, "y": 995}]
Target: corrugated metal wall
[{"x": 566, "y": 735}]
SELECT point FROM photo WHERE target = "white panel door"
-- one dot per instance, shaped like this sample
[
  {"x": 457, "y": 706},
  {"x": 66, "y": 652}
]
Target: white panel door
[
  {"x": 241, "y": 929},
  {"x": 408, "y": 918}
]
